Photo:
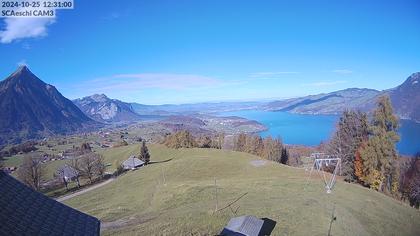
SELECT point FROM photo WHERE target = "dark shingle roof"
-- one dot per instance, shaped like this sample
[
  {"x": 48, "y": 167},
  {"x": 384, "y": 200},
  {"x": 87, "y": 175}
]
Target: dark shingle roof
[
  {"x": 243, "y": 225},
  {"x": 24, "y": 211}
]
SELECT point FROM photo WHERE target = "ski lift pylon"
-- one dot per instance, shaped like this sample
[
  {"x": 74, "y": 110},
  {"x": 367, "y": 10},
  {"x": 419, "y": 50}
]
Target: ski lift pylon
[{"x": 318, "y": 166}]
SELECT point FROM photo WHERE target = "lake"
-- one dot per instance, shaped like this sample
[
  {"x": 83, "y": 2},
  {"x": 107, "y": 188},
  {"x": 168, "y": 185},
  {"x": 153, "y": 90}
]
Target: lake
[{"x": 312, "y": 129}]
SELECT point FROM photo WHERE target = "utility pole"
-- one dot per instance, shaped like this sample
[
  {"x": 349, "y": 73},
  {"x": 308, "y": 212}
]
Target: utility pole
[{"x": 217, "y": 200}]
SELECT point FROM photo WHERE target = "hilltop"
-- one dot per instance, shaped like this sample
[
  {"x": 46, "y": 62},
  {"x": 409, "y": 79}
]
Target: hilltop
[
  {"x": 177, "y": 197},
  {"x": 33, "y": 109},
  {"x": 405, "y": 99},
  {"x": 330, "y": 103},
  {"x": 103, "y": 109}
]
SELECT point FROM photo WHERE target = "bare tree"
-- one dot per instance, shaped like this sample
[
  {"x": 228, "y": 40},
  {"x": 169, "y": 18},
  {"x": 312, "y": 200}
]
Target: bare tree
[
  {"x": 31, "y": 172},
  {"x": 410, "y": 180},
  {"x": 85, "y": 147},
  {"x": 90, "y": 166},
  {"x": 415, "y": 192}
]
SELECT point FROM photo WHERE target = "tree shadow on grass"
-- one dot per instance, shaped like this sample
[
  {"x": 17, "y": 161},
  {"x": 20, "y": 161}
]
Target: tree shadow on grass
[
  {"x": 156, "y": 162},
  {"x": 268, "y": 226}
]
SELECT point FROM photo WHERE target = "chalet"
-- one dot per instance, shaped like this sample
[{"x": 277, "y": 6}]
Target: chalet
[
  {"x": 67, "y": 174},
  {"x": 132, "y": 163},
  {"x": 24, "y": 211}
]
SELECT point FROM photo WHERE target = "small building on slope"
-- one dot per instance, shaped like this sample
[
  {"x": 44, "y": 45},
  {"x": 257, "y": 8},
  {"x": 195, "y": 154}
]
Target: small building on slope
[
  {"x": 132, "y": 163},
  {"x": 67, "y": 174},
  {"x": 248, "y": 226}
]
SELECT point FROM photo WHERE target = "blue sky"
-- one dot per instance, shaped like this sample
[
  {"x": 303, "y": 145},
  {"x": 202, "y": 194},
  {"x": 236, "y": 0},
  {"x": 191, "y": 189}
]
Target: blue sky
[{"x": 156, "y": 52}]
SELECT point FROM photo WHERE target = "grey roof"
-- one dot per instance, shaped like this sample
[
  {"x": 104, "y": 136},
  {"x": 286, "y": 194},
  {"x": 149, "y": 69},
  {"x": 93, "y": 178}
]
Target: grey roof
[
  {"x": 24, "y": 211},
  {"x": 67, "y": 172},
  {"x": 132, "y": 162},
  {"x": 245, "y": 225}
]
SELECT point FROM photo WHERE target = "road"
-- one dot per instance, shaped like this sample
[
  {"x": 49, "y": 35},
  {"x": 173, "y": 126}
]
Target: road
[{"x": 60, "y": 199}]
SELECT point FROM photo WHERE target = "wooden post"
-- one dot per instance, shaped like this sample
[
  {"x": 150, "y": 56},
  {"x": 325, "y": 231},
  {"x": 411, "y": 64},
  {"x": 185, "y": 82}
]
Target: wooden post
[
  {"x": 163, "y": 175},
  {"x": 217, "y": 200}
]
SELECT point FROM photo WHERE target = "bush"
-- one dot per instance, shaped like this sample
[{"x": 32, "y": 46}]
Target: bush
[
  {"x": 120, "y": 170},
  {"x": 180, "y": 139}
]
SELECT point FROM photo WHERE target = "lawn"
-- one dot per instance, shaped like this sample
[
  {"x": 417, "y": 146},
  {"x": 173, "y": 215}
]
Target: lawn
[{"x": 177, "y": 197}]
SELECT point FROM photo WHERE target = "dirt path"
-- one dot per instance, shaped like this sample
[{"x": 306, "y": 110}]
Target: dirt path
[{"x": 60, "y": 199}]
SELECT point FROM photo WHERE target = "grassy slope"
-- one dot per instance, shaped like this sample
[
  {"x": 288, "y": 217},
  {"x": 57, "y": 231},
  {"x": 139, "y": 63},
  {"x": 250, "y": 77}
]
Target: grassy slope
[{"x": 142, "y": 204}]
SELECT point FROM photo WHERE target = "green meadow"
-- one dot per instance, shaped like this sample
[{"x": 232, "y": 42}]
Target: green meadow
[{"x": 177, "y": 196}]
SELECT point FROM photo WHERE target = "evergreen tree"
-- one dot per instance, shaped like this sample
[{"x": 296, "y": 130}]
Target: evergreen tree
[
  {"x": 379, "y": 156},
  {"x": 352, "y": 130},
  {"x": 144, "y": 153},
  {"x": 284, "y": 156}
]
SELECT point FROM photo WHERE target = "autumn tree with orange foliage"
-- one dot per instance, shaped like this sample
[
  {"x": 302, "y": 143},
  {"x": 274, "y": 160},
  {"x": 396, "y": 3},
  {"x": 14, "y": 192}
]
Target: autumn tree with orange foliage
[{"x": 358, "y": 165}]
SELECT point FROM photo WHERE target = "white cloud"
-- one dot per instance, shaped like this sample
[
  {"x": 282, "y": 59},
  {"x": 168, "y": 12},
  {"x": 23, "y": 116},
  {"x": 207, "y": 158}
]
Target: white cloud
[
  {"x": 26, "y": 46},
  {"x": 24, "y": 27},
  {"x": 343, "y": 71},
  {"x": 112, "y": 16},
  {"x": 22, "y": 63},
  {"x": 135, "y": 82},
  {"x": 325, "y": 83}
]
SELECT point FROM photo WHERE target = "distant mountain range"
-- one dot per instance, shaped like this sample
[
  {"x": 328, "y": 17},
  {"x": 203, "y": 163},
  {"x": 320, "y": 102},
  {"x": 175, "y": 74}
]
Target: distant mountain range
[
  {"x": 330, "y": 103},
  {"x": 194, "y": 108},
  {"x": 103, "y": 109},
  {"x": 31, "y": 108},
  {"x": 405, "y": 99}
]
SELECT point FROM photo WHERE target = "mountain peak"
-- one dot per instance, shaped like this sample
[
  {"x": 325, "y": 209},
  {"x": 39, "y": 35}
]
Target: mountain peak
[
  {"x": 104, "y": 109},
  {"x": 99, "y": 97},
  {"x": 414, "y": 78},
  {"x": 22, "y": 69},
  {"x": 412, "y": 82},
  {"x": 31, "y": 109},
  {"x": 22, "y": 73}
]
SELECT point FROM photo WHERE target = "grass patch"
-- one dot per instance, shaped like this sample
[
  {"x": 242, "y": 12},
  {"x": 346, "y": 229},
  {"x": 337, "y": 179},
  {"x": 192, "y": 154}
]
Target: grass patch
[{"x": 177, "y": 198}]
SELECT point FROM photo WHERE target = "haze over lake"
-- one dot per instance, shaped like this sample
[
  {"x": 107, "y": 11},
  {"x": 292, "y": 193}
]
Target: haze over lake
[{"x": 312, "y": 129}]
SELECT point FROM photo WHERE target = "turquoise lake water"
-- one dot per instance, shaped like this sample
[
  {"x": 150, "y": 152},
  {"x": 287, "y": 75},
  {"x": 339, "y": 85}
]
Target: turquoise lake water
[{"x": 312, "y": 129}]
